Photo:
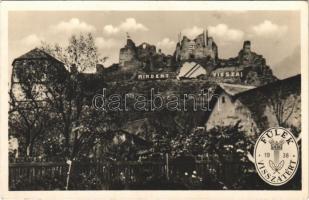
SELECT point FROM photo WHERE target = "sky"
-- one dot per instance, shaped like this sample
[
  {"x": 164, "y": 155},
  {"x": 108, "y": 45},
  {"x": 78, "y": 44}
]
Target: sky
[{"x": 273, "y": 34}]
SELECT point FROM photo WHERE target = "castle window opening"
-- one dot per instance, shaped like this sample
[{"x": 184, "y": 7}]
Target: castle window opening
[{"x": 223, "y": 99}]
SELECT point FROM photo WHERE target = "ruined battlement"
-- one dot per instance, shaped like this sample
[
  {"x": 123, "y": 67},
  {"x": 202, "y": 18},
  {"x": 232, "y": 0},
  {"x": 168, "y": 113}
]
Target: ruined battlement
[
  {"x": 201, "y": 47},
  {"x": 144, "y": 56}
]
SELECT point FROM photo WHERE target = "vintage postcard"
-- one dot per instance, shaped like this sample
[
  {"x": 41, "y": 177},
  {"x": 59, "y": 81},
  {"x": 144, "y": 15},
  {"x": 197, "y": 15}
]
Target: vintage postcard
[{"x": 154, "y": 100}]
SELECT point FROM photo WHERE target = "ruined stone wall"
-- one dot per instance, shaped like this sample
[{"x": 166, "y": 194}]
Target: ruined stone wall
[
  {"x": 210, "y": 42},
  {"x": 168, "y": 60},
  {"x": 199, "y": 48},
  {"x": 200, "y": 41},
  {"x": 185, "y": 48},
  {"x": 132, "y": 64},
  {"x": 125, "y": 55},
  {"x": 145, "y": 51},
  {"x": 177, "y": 53},
  {"x": 200, "y": 53},
  {"x": 144, "y": 57}
]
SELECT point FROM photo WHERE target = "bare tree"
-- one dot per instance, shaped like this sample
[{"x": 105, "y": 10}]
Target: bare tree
[
  {"x": 284, "y": 102},
  {"x": 80, "y": 52}
]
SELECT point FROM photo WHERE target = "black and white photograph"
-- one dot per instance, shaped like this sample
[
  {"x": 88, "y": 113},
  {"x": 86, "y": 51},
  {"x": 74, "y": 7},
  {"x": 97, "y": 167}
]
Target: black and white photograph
[{"x": 155, "y": 100}]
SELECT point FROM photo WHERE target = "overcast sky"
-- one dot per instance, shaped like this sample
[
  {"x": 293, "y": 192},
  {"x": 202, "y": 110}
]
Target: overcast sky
[{"x": 274, "y": 34}]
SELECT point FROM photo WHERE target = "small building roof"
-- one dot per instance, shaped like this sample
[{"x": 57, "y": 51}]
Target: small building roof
[
  {"x": 256, "y": 98},
  {"x": 234, "y": 89},
  {"x": 290, "y": 83},
  {"x": 237, "y": 90},
  {"x": 36, "y": 54}
]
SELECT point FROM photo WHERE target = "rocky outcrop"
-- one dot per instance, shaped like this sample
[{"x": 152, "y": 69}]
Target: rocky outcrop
[{"x": 252, "y": 65}]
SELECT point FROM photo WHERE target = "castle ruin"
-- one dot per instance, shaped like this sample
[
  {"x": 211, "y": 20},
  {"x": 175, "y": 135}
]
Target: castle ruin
[
  {"x": 202, "y": 47},
  {"x": 247, "y": 67}
]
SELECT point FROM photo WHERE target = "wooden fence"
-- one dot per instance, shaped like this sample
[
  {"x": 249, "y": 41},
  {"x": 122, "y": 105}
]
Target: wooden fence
[{"x": 101, "y": 174}]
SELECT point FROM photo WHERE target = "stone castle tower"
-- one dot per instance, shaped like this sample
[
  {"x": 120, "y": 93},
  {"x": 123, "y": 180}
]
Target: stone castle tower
[
  {"x": 199, "y": 48},
  {"x": 131, "y": 54},
  {"x": 128, "y": 52}
]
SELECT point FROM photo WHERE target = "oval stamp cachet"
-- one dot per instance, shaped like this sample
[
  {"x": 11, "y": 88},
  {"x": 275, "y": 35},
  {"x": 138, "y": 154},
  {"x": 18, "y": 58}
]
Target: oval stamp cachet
[{"x": 276, "y": 156}]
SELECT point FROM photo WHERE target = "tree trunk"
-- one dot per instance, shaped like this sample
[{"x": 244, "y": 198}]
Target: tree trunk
[
  {"x": 28, "y": 143},
  {"x": 29, "y": 149},
  {"x": 67, "y": 138}
]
